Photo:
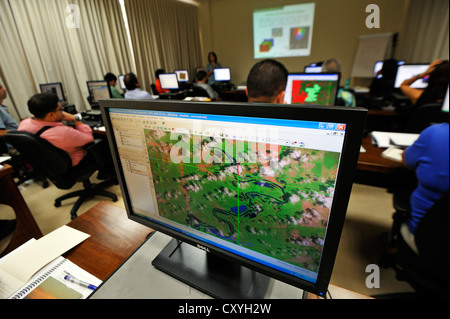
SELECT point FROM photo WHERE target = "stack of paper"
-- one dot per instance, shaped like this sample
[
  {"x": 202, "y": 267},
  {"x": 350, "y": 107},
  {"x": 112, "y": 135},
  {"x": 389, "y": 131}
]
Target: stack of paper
[{"x": 388, "y": 139}]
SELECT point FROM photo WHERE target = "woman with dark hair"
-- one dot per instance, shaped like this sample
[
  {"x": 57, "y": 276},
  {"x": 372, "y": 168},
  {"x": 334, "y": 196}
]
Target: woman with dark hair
[
  {"x": 437, "y": 85},
  {"x": 212, "y": 64}
]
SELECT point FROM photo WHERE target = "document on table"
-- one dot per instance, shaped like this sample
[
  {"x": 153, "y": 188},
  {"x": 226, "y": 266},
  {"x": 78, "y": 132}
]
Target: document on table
[
  {"x": 388, "y": 139},
  {"x": 17, "y": 268}
]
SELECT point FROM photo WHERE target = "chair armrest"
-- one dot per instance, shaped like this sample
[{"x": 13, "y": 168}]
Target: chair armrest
[{"x": 96, "y": 150}]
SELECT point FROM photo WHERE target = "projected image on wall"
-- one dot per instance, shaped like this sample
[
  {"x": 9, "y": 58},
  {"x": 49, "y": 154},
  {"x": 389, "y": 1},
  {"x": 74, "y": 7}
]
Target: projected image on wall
[{"x": 283, "y": 31}]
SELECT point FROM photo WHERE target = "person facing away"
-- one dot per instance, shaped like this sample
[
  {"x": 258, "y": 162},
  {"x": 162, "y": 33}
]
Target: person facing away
[
  {"x": 437, "y": 84},
  {"x": 112, "y": 80},
  {"x": 344, "y": 97},
  {"x": 266, "y": 82},
  {"x": 7, "y": 122},
  {"x": 201, "y": 82},
  {"x": 47, "y": 111},
  {"x": 212, "y": 64},
  {"x": 134, "y": 91}
]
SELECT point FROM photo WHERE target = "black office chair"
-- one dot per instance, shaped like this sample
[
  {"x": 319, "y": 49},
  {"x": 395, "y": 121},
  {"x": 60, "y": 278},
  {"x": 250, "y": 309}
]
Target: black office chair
[
  {"x": 154, "y": 90},
  {"x": 198, "y": 91},
  {"x": 56, "y": 165},
  {"x": 425, "y": 115},
  {"x": 428, "y": 271}
]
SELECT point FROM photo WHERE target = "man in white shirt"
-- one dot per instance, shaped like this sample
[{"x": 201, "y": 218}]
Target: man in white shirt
[{"x": 134, "y": 91}]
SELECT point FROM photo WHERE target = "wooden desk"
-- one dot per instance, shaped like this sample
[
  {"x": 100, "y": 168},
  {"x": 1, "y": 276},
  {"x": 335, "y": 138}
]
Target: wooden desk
[
  {"x": 374, "y": 170},
  {"x": 26, "y": 227},
  {"x": 113, "y": 239}
]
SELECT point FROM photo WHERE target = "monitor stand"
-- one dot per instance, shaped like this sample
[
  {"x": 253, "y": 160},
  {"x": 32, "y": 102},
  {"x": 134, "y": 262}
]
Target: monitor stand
[{"x": 210, "y": 274}]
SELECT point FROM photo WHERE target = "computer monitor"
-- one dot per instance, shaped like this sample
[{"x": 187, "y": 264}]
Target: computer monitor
[
  {"x": 182, "y": 75},
  {"x": 169, "y": 81},
  {"x": 407, "y": 71},
  {"x": 379, "y": 66},
  {"x": 98, "y": 90},
  {"x": 312, "y": 88},
  {"x": 54, "y": 88},
  {"x": 122, "y": 82},
  {"x": 313, "y": 69},
  {"x": 222, "y": 75},
  {"x": 250, "y": 191}
]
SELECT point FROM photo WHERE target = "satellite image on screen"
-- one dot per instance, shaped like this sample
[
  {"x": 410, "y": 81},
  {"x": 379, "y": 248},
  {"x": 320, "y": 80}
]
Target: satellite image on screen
[
  {"x": 313, "y": 92},
  {"x": 268, "y": 198}
]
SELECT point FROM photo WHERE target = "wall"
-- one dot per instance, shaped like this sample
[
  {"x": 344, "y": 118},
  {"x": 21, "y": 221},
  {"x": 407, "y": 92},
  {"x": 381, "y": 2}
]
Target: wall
[{"x": 227, "y": 28}]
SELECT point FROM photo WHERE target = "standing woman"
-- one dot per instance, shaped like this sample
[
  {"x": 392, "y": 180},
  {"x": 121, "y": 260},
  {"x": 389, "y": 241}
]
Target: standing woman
[{"x": 212, "y": 64}]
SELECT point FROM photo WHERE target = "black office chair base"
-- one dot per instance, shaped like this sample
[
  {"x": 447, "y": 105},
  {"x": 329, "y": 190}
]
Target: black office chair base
[{"x": 90, "y": 191}]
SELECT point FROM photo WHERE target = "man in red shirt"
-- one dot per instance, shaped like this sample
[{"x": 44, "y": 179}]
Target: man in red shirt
[{"x": 47, "y": 111}]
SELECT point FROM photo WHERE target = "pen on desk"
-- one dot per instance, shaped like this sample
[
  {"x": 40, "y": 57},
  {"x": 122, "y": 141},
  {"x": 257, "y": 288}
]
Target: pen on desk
[{"x": 81, "y": 283}]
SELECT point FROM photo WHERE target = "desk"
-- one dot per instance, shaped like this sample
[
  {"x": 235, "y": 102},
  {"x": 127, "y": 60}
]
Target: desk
[
  {"x": 374, "y": 170},
  {"x": 26, "y": 227},
  {"x": 113, "y": 238}
]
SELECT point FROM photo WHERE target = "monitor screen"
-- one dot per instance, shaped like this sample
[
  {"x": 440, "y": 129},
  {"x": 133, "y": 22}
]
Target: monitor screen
[
  {"x": 312, "y": 88},
  {"x": 222, "y": 75},
  {"x": 407, "y": 71},
  {"x": 313, "y": 69},
  {"x": 98, "y": 90},
  {"x": 169, "y": 81},
  {"x": 54, "y": 88},
  {"x": 445, "y": 104},
  {"x": 122, "y": 82},
  {"x": 182, "y": 75},
  {"x": 262, "y": 186}
]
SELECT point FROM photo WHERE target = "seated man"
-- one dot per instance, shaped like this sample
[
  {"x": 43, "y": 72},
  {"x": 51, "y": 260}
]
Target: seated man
[
  {"x": 47, "y": 111},
  {"x": 201, "y": 82},
  {"x": 344, "y": 97},
  {"x": 266, "y": 82},
  {"x": 134, "y": 91}
]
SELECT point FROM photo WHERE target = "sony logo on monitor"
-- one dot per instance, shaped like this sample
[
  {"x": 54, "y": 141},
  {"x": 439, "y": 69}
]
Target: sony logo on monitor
[{"x": 203, "y": 248}]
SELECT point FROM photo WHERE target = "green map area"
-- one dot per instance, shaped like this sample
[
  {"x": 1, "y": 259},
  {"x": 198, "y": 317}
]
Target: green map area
[{"x": 272, "y": 199}]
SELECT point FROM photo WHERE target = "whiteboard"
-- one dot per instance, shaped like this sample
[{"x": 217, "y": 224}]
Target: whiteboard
[{"x": 371, "y": 48}]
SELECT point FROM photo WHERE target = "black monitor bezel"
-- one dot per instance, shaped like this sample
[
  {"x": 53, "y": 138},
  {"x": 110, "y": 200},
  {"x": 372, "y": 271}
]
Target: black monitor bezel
[
  {"x": 60, "y": 85},
  {"x": 316, "y": 74},
  {"x": 98, "y": 81},
  {"x": 353, "y": 117}
]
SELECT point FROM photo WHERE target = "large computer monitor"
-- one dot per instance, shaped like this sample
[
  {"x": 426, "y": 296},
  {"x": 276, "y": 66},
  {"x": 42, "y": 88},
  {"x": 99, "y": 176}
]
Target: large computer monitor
[
  {"x": 182, "y": 75},
  {"x": 312, "y": 88},
  {"x": 407, "y": 71},
  {"x": 98, "y": 90},
  {"x": 169, "y": 81},
  {"x": 222, "y": 75},
  {"x": 54, "y": 88},
  {"x": 259, "y": 191}
]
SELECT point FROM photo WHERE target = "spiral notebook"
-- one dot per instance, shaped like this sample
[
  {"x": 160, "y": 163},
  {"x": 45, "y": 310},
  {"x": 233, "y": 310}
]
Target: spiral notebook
[{"x": 50, "y": 283}]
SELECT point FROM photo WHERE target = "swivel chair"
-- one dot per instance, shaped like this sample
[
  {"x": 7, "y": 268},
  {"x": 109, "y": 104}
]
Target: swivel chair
[
  {"x": 425, "y": 115},
  {"x": 198, "y": 91},
  {"x": 56, "y": 165},
  {"x": 154, "y": 90},
  {"x": 428, "y": 271}
]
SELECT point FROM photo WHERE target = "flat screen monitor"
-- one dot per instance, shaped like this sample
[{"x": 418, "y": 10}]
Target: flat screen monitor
[
  {"x": 98, "y": 90},
  {"x": 313, "y": 69},
  {"x": 407, "y": 71},
  {"x": 222, "y": 75},
  {"x": 182, "y": 75},
  {"x": 312, "y": 88},
  {"x": 379, "y": 66},
  {"x": 169, "y": 81},
  {"x": 54, "y": 88},
  {"x": 122, "y": 82},
  {"x": 260, "y": 187}
]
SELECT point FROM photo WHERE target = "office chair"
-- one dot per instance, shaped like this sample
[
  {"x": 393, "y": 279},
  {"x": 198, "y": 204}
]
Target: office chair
[
  {"x": 154, "y": 90},
  {"x": 56, "y": 165},
  {"x": 198, "y": 91},
  {"x": 428, "y": 271},
  {"x": 424, "y": 116}
]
